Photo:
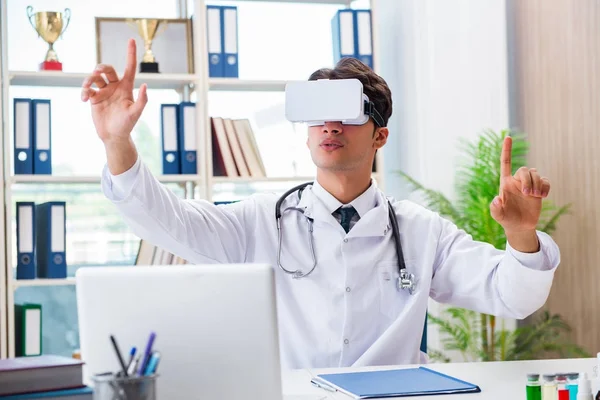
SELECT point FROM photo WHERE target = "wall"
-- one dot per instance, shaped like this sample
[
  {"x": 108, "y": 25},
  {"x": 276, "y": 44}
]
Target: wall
[
  {"x": 555, "y": 59},
  {"x": 445, "y": 61}
]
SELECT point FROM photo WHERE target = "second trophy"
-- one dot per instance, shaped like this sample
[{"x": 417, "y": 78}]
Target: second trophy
[{"x": 148, "y": 29}]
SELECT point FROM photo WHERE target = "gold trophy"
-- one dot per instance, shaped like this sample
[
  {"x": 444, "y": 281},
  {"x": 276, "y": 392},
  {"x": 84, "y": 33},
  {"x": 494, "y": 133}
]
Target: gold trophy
[
  {"x": 49, "y": 25},
  {"x": 148, "y": 30}
]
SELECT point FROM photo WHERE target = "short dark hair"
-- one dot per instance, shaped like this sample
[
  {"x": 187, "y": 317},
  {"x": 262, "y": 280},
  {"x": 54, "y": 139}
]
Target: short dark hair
[{"x": 374, "y": 85}]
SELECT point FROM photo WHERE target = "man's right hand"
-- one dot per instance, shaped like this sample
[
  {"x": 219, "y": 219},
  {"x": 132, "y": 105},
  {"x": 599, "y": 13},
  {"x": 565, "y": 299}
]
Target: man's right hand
[{"x": 114, "y": 110}]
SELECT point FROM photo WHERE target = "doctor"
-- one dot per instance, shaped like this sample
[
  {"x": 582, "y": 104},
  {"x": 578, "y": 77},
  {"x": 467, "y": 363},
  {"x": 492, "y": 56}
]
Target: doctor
[{"x": 351, "y": 309}]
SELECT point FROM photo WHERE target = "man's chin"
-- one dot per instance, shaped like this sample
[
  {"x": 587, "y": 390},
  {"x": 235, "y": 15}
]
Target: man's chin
[{"x": 331, "y": 166}]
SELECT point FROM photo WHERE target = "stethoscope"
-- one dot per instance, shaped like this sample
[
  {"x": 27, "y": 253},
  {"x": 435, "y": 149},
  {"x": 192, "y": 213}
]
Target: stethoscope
[{"x": 405, "y": 280}]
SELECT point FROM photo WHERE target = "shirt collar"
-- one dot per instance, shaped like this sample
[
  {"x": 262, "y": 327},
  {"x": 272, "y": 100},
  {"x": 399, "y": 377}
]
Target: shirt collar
[{"x": 362, "y": 204}]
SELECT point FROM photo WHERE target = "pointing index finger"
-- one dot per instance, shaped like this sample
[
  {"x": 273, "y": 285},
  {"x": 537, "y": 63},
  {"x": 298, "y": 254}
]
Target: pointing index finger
[
  {"x": 506, "y": 158},
  {"x": 131, "y": 65}
]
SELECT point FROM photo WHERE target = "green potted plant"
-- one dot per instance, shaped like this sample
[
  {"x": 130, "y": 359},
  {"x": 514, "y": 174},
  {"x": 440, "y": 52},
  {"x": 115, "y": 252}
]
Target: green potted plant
[{"x": 472, "y": 334}]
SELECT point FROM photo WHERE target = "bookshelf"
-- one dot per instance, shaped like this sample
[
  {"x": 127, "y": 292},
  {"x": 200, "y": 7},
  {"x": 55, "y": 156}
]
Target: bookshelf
[
  {"x": 92, "y": 179},
  {"x": 66, "y": 79},
  {"x": 195, "y": 87},
  {"x": 42, "y": 282},
  {"x": 246, "y": 85}
]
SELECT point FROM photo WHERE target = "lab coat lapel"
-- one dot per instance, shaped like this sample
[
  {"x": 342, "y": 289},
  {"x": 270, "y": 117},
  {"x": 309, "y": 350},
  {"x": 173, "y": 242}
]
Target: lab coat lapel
[
  {"x": 376, "y": 222},
  {"x": 315, "y": 209}
]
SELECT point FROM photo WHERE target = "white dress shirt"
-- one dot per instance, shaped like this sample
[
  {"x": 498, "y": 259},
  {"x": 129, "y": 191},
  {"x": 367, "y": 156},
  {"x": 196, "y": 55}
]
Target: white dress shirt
[{"x": 349, "y": 311}]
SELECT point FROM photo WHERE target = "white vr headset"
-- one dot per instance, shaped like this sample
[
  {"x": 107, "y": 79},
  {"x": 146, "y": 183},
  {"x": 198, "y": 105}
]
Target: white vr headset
[{"x": 328, "y": 100}]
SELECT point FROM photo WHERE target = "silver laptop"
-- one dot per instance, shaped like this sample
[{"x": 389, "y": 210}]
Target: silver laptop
[{"x": 215, "y": 325}]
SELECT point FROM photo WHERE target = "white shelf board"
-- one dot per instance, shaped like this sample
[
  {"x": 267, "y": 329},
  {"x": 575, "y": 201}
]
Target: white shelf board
[
  {"x": 247, "y": 85},
  {"x": 69, "y": 79},
  {"x": 303, "y": 1},
  {"x": 17, "y": 283},
  {"x": 91, "y": 179},
  {"x": 237, "y": 179},
  {"x": 228, "y": 179}
]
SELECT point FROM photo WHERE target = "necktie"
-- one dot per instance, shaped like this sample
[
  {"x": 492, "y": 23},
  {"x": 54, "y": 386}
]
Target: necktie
[{"x": 347, "y": 213}]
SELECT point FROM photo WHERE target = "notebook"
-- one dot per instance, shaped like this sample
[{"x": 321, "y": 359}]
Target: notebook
[
  {"x": 84, "y": 393},
  {"x": 394, "y": 383},
  {"x": 39, "y": 373}
]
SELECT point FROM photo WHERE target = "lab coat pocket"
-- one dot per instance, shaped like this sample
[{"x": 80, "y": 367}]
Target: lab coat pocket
[{"x": 392, "y": 300}]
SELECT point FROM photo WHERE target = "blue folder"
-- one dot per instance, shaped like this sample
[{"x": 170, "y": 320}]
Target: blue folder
[{"x": 394, "y": 383}]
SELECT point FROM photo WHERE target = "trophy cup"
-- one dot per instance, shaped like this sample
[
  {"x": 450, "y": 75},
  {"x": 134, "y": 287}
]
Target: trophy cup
[
  {"x": 49, "y": 26},
  {"x": 148, "y": 30}
]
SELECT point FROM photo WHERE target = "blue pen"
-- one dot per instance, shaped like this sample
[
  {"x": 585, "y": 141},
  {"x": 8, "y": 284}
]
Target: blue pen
[
  {"x": 131, "y": 356},
  {"x": 147, "y": 353},
  {"x": 153, "y": 363}
]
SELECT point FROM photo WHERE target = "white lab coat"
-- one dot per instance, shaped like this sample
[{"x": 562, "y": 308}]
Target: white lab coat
[{"x": 349, "y": 312}]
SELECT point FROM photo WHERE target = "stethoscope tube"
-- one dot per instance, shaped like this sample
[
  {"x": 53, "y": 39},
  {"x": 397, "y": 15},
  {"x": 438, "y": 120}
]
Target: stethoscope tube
[{"x": 405, "y": 280}]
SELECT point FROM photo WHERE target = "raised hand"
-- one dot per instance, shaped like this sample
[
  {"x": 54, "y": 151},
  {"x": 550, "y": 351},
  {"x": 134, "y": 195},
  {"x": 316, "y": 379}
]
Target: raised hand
[
  {"x": 519, "y": 204},
  {"x": 114, "y": 111}
]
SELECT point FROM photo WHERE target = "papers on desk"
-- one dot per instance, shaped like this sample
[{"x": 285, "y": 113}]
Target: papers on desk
[{"x": 394, "y": 383}]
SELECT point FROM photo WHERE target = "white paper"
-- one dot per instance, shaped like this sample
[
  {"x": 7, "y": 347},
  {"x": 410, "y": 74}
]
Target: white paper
[
  {"x": 25, "y": 229},
  {"x": 22, "y": 121},
  {"x": 33, "y": 327},
  {"x": 169, "y": 129},
  {"x": 189, "y": 128},
  {"x": 230, "y": 21},
  {"x": 57, "y": 215},
  {"x": 42, "y": 126}
]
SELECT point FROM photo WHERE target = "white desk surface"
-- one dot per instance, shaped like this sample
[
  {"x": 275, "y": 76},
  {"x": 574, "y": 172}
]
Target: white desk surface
[{"x": 497, "y": 380}]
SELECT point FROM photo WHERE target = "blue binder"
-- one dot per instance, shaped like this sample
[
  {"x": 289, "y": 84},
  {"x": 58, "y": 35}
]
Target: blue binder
[
  {"x": 394, "y": 383},
  {"x": 42, "y": 134},
  {"x": 23, "y": 136},
  {"x": 343, "y": 34},
  {"x": 187, "y": 137},
  {"x": 363, "y": 36},
  {"x": 230, "y": 41},
  {"x": 169, "y": 139},
  {"x": 50, "y": 230},
  {"x": 352, "y": 35},
  {"x": 26, "y": 240},
  {"x": 214, "y": 34}
]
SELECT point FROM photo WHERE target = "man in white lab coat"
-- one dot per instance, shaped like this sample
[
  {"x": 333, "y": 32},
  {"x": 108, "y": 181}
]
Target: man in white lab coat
[{"x": 349, "y": 311}]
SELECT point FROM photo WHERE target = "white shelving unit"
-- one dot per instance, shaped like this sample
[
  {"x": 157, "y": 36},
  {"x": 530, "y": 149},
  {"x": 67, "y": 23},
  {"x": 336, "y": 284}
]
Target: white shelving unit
[
  {"x": 64, "y": 79},
  {"x": 185, "y": 84},
  {"x": 42, "y": 282},
  {"x": 4, "y": 263},
  {"x": 92, "y": 179}
]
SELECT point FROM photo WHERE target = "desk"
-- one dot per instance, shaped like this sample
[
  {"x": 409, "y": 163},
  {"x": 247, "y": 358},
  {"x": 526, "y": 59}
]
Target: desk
[{"x": 497, "y": 380}]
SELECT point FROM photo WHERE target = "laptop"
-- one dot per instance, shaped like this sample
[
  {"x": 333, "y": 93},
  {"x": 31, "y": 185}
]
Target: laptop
[{"x": 215, "y": 326}]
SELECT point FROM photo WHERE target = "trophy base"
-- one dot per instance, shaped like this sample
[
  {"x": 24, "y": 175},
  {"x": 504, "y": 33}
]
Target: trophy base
[
  {"x": 51, "y": 66},
  {"x": 149, "y": 67}
]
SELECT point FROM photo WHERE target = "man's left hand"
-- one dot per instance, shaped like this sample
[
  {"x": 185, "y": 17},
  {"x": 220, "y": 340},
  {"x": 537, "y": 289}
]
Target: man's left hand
[{"x": 519, "y": 204}]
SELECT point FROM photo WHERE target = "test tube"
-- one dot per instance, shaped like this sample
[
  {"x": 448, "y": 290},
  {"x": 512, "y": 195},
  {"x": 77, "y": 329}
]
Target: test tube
[
  {"x": 549, "y": 388},
  {"x": 572, "y": 380},
  {"x": 534, "y": 388},
  {"x": 561, "y": 387}
]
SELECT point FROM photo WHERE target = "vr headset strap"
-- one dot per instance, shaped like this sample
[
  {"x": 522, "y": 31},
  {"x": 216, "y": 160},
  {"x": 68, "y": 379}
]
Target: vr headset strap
[{"x": 372, "y": 112}]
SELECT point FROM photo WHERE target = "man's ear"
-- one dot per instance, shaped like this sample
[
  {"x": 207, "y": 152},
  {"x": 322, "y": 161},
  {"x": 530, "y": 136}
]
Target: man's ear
[{"x": 380, "y": 136}]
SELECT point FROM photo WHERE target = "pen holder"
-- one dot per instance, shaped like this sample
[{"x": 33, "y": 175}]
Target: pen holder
[{"x": 112, "y": 387}]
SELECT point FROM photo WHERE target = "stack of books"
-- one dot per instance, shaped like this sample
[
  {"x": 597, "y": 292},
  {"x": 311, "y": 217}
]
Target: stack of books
[
  {"x": 43, "y": 377},
  {"x": 149, "y": 254},
  {"x": 235, "y": 151}
]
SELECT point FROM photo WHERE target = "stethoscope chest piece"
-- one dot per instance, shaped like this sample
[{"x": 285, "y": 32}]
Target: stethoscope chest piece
[{"x": 407, "y": 281}]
